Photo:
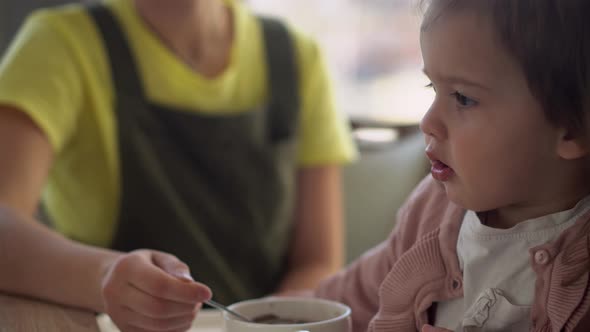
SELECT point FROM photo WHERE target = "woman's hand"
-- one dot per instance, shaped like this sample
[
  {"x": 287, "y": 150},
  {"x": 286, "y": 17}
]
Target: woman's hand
[
  {"x": 430, "y": 328},
  {"x": 147, "y": 290}
]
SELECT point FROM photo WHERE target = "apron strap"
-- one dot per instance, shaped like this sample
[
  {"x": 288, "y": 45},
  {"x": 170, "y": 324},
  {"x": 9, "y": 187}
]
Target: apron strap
[
  {"x": 283, "y": 79},
  {"x": 124, "y": 73}
]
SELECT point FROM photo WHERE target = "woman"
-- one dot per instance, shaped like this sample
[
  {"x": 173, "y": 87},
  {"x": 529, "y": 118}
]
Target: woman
[{"x": 189, "y": 127}]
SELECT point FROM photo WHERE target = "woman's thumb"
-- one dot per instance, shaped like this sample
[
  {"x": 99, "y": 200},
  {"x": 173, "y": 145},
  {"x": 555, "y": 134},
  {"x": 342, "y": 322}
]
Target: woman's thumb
[{"x": 172, "y": 265}]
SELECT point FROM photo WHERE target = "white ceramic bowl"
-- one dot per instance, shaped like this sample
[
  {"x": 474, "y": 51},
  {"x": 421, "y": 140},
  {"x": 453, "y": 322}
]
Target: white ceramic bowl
[{"x": 320, "y": 315}]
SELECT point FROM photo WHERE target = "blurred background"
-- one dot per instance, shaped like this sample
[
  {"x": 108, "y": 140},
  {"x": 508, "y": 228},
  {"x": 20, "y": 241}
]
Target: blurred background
[
  {"x": 12, "y": 14},
  {"x": 372, "y": 51}
]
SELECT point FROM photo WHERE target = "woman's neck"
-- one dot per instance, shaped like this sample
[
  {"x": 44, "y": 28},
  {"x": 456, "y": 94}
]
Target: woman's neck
[{"x": 198, "y": 32}]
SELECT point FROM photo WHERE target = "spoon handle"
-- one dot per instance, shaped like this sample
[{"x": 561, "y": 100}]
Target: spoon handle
[{"x": 222, "y": 307}]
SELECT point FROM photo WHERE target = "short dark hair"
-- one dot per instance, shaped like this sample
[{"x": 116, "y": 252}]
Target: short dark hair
[{"x": 550, "y": 39}]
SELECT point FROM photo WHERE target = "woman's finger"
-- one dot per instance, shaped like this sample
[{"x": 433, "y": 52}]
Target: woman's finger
[
  {"x": 153, "y": 280},
  {"x": 154, "y": 307}
]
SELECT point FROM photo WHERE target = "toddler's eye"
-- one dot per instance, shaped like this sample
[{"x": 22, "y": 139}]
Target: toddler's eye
[
  {"x": 463, "y": 100},
  {"x": 430, "y": 86}
]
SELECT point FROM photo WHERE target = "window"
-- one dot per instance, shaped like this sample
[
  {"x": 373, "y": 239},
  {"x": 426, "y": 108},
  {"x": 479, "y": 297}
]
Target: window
[{"x": 372, "y": 51}]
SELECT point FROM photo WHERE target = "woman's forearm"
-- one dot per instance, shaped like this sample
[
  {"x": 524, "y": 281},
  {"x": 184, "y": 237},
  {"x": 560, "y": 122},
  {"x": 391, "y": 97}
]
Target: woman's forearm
[
  {"x": 316, "y": 249},
  {"x": 38, "y": 262}
]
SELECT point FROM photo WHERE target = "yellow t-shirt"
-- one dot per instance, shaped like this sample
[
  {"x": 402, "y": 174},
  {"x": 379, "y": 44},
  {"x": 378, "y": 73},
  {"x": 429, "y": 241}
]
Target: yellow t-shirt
[{"x": 57, "y": 72}]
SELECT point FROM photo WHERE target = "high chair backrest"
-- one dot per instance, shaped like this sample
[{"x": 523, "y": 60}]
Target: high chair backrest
[{"x": 376, "y": 185}]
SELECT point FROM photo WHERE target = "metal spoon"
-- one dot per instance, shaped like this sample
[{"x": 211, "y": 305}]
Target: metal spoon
[{"x": 222, "y": 307}]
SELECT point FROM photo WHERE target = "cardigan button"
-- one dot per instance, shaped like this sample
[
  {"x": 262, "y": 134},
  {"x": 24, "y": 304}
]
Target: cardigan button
[
  {"x": 542, "y": 257},
  {"x": 456, "y": 284}
]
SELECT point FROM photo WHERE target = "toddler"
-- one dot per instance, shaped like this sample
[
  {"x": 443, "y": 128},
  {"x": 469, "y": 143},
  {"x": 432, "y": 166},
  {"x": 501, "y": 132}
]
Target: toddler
[{"x": 497, "y": 238}]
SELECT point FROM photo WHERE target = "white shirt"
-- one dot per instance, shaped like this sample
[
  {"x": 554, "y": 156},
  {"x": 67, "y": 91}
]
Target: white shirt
[{"x": 498, "y": 281}]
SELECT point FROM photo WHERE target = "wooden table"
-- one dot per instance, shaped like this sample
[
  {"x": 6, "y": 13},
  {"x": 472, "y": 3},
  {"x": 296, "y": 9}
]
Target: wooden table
[
  {"x": 208, "y": 320},
  {"x": 19, "y": 314}
]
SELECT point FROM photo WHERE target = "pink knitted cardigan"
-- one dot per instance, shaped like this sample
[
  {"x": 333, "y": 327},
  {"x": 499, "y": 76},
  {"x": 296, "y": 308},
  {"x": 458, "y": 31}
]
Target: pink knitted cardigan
[{"x": 393, "y": 286}]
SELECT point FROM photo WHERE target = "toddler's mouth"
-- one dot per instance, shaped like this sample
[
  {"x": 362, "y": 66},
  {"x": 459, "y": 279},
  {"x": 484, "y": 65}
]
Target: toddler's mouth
[{"x": 440, "y": 171}]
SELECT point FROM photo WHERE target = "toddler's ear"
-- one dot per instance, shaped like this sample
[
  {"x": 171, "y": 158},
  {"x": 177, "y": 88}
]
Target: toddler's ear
[{"x": 572, "y": 145}]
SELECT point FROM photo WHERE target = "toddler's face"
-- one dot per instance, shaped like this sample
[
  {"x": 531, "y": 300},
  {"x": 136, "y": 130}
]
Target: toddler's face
[{"x": 489, "y": 140}]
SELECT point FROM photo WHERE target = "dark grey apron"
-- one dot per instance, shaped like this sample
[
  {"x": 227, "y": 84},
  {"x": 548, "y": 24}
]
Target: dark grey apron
[{"x": 217, "y": 191}]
